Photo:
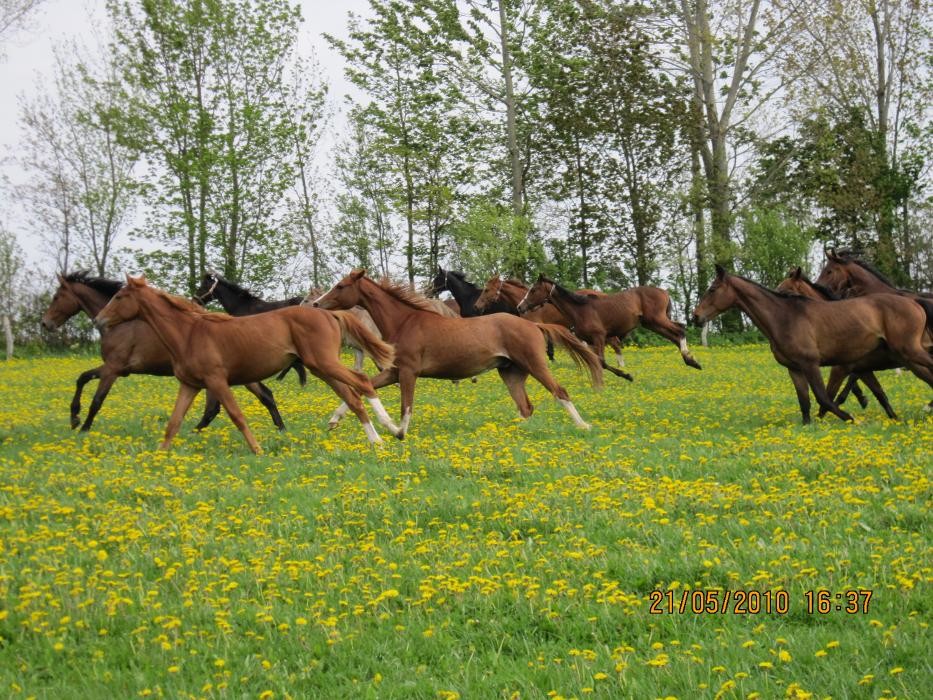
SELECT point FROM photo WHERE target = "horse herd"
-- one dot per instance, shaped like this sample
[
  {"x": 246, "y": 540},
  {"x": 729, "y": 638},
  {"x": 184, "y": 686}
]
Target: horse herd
[{"x": 852, "y": 319}]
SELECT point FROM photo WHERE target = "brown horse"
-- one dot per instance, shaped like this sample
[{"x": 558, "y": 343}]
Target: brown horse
[
  {"x": 594, "y": 318},
  {"x": 805, "y": 334},
  {"x": 797, "y": 283},
  {"x": 848, "y": 276},
  {"x": 430, "y": 345},
  {"x": 214, "y": 351},
  {"x": 130, "y": 348},
  {"x": 512, "y": 291}
]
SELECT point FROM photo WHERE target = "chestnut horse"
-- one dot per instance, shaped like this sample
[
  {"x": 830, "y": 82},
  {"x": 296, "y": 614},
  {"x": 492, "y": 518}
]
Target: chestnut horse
[
  {"x": 130, "y": 348},
  {"x": 430, "y": 345},
  {"x": 797, "y": 283},
  {"x": 805, "y": 334},
  {"x": 214, "y": 351},
  {"x": 238, "y": 301},
  {"x": 594, "y": 318},
  {"x": 512, "y": 291}
]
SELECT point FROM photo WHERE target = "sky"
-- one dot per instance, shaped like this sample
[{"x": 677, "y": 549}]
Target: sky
[{"x": 28, "y": 57}]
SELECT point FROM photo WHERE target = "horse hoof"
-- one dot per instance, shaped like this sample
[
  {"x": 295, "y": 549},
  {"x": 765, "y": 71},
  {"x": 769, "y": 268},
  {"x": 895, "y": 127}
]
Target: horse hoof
[
  {"x": 331, "y": 425},
  {"x": 693, "y": 363},
  {"x": 585, "y": 426},
  {"x": 400, "y": 435},
  {"x": 75, "y": 423}
]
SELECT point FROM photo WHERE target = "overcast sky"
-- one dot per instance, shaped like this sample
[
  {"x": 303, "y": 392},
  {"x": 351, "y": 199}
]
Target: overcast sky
[{"x": 28, "y": 57}]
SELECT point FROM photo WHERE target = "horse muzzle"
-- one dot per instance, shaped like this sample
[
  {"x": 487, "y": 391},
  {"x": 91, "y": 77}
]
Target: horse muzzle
[
  {"x": 48, "y": 324},
  {"x": 101, "y": 322},
  {"x": 697, "y": 321}
]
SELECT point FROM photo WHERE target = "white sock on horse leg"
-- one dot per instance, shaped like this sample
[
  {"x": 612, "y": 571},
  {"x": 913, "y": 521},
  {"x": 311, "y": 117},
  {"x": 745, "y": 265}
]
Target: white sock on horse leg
[
  {"x": 382, "y": 414},
  {"x": 338, "y": 414},
  {"x": 371, "y": 433},
  {"x": 572, "y": 410}
]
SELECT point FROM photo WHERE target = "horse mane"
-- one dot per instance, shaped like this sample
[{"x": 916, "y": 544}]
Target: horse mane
[
  {"x": 407, "y": 295},
  {"x": 579, "y": 299},
  {"x": 871, "y": 269},
  {"x": 103, "y": 285},
  {"x": 515, "y": 282},
  {"x": 822, "y": 289},
  {"x": 775, "y": 292},
  {"x": 237, "y": 289},
  {"x": 188, "y": 306}
]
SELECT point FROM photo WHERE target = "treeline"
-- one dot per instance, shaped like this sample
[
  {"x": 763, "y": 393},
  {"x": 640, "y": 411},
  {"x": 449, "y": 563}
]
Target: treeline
[{"x": 606, "y": 143}]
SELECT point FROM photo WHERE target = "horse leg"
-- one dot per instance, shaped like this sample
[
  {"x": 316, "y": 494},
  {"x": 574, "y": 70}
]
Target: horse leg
[
  {"x": 211, "y": 409},
  {"x": 836, "y": 375},
  {"x": 83, "y": 379},
  {"x": 815, "y": 379},
  {"x": 803, "y": 394},
  {"x": 874, "y": 386},
  {"x": 853, "y": 388},
  {"x": 675, "y": 333},
  {"x": 616, "y": 344},
  {"x": 350, "y": 399},
  {"x": 186, "y": 394},
  {"x": 227, "y": 400},
  {"x": 537, "y": 368},
  {"x": 358, "y": 357},
  {"x": 406, "y": 383},
  {"x": 267, "y": 399},
  {"x": 514, "y": 378},
  {"x": 107, "y": 378},
  {"x": 384, "y": 378},
  {"x": 599, "y": 347}
]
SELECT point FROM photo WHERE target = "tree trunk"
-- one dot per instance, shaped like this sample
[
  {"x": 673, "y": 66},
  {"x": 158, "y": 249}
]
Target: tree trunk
[
  {"x": 8, "y": 333},
  {"x": 518, "y": 207},
  {"x": 584, "y": 241}
]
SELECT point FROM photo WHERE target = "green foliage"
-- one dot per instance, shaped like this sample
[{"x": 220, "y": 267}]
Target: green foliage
[
  {"x": 490, "y": 239},
  {"x": 771, "y": 244}
]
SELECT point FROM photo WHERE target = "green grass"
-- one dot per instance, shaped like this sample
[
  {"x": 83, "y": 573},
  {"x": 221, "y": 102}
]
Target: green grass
[{"x": 483, "y": 556}]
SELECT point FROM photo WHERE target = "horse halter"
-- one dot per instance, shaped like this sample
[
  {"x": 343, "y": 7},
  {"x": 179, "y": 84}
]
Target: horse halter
[{"x": 201, "y": 297}]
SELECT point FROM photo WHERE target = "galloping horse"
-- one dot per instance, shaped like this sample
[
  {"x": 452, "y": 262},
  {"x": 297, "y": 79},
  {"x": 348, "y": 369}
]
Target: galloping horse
[
  {"x": 430, "y": 345},
  {"x": 594, "y": 318},
  {"x": 130, "y": 348},
  {"x": 214, "y": 351},
  {"x": 512, "y": 291},
  {"x": 805, "y": 334},
  {"x": 797, "y": 283},
  {"x": 848, "y": 276},
  {"x": 465, "y": 293},
  {"x": 238, "y": 301}
]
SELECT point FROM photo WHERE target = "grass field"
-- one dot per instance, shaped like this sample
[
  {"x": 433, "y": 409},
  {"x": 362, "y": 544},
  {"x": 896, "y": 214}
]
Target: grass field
[{"x": 483, "y": 557}]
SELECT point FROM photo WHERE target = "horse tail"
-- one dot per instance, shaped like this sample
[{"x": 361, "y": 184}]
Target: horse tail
[
  {"x": 381, "y": 352},
  {"x": 579, "y": 351},
  {"x": 927, "y": 305}
]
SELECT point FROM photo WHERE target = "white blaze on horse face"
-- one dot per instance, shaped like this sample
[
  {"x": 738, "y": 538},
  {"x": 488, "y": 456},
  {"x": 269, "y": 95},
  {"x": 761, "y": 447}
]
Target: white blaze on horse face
[
  {"x": 524, "y": 298},
  {"x": 383, "y": 416},
  {"x": 572, "y": 410},
  {"x": 318, "y": 300}
]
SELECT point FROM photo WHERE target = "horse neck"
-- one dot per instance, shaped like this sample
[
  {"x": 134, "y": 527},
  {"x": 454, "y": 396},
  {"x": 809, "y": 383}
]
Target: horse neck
[
  {"x": 762, "y": 306},
  {"x": 91, "y": 300},
  {"x": 233, "y": 303},
  {"x": 172, "y": 325},
  {"x": 388, "y": 313},
  {"x": 864, "y": 282},
  {"x": 560, "y": 297},
  {"x": 464, "y": 292},
  {"x": 512, "y": 293}
]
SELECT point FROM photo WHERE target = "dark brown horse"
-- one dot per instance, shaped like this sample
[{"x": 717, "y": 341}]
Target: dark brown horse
[
  {"x": 214, "y": 351},
  {"x": 512, "y": 291},
  {"x": 846, "y": 275},
  {"x": 805, "y": 334},
  {"x": 430, "y": 345},
  {"x": 595, "y": 318},
  {"x": 130, "y": 348},
  {"x": 798, "y": 283}
]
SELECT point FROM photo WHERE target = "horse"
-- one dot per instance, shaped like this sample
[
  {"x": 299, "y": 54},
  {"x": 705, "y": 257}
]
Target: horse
[
  {"x": 594, "y": 318},
  {"x": 805, "y": 333},
  {"x": 430, "y": 345},
  {"x": 846, "y": 275},
  {"x": 465, "y": 293},
  {"x": 238, "y": 301},
  {"x": 512, "y": 291},
  {"x": 214, "y": 351},
  {"x": 798, "y": 283},
  {"x": 130, "y": 348}
]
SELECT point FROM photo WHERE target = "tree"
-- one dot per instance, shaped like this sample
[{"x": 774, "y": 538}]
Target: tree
[
  {"x": 871, "y": 58},
  {"x": 14, "y": 14},
  {"x": 80, "y": 189},
  {"x": 771, "y": 244},
  {"x": 11, "y": 265},
  {"x": 207, "y": 106}
]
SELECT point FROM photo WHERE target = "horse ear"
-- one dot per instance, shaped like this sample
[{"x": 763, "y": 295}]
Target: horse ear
[
  {"x": 356, "y": 274},
  {"x": 136, "y": 281},
  {"x": 720, "y": 271},
  {"x": 61, "y": 278},
  {"x": 798, "y": 273}
]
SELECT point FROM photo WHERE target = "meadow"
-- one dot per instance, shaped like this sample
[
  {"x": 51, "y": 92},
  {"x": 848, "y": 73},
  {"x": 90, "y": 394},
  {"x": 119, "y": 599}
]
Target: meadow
[{"x": 483, "y": 557}]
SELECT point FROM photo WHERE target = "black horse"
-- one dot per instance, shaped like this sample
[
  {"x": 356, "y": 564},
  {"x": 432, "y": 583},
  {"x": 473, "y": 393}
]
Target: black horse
[
  {"x": 238, "y": 301},
  {"x": 466, "y": 293}
]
